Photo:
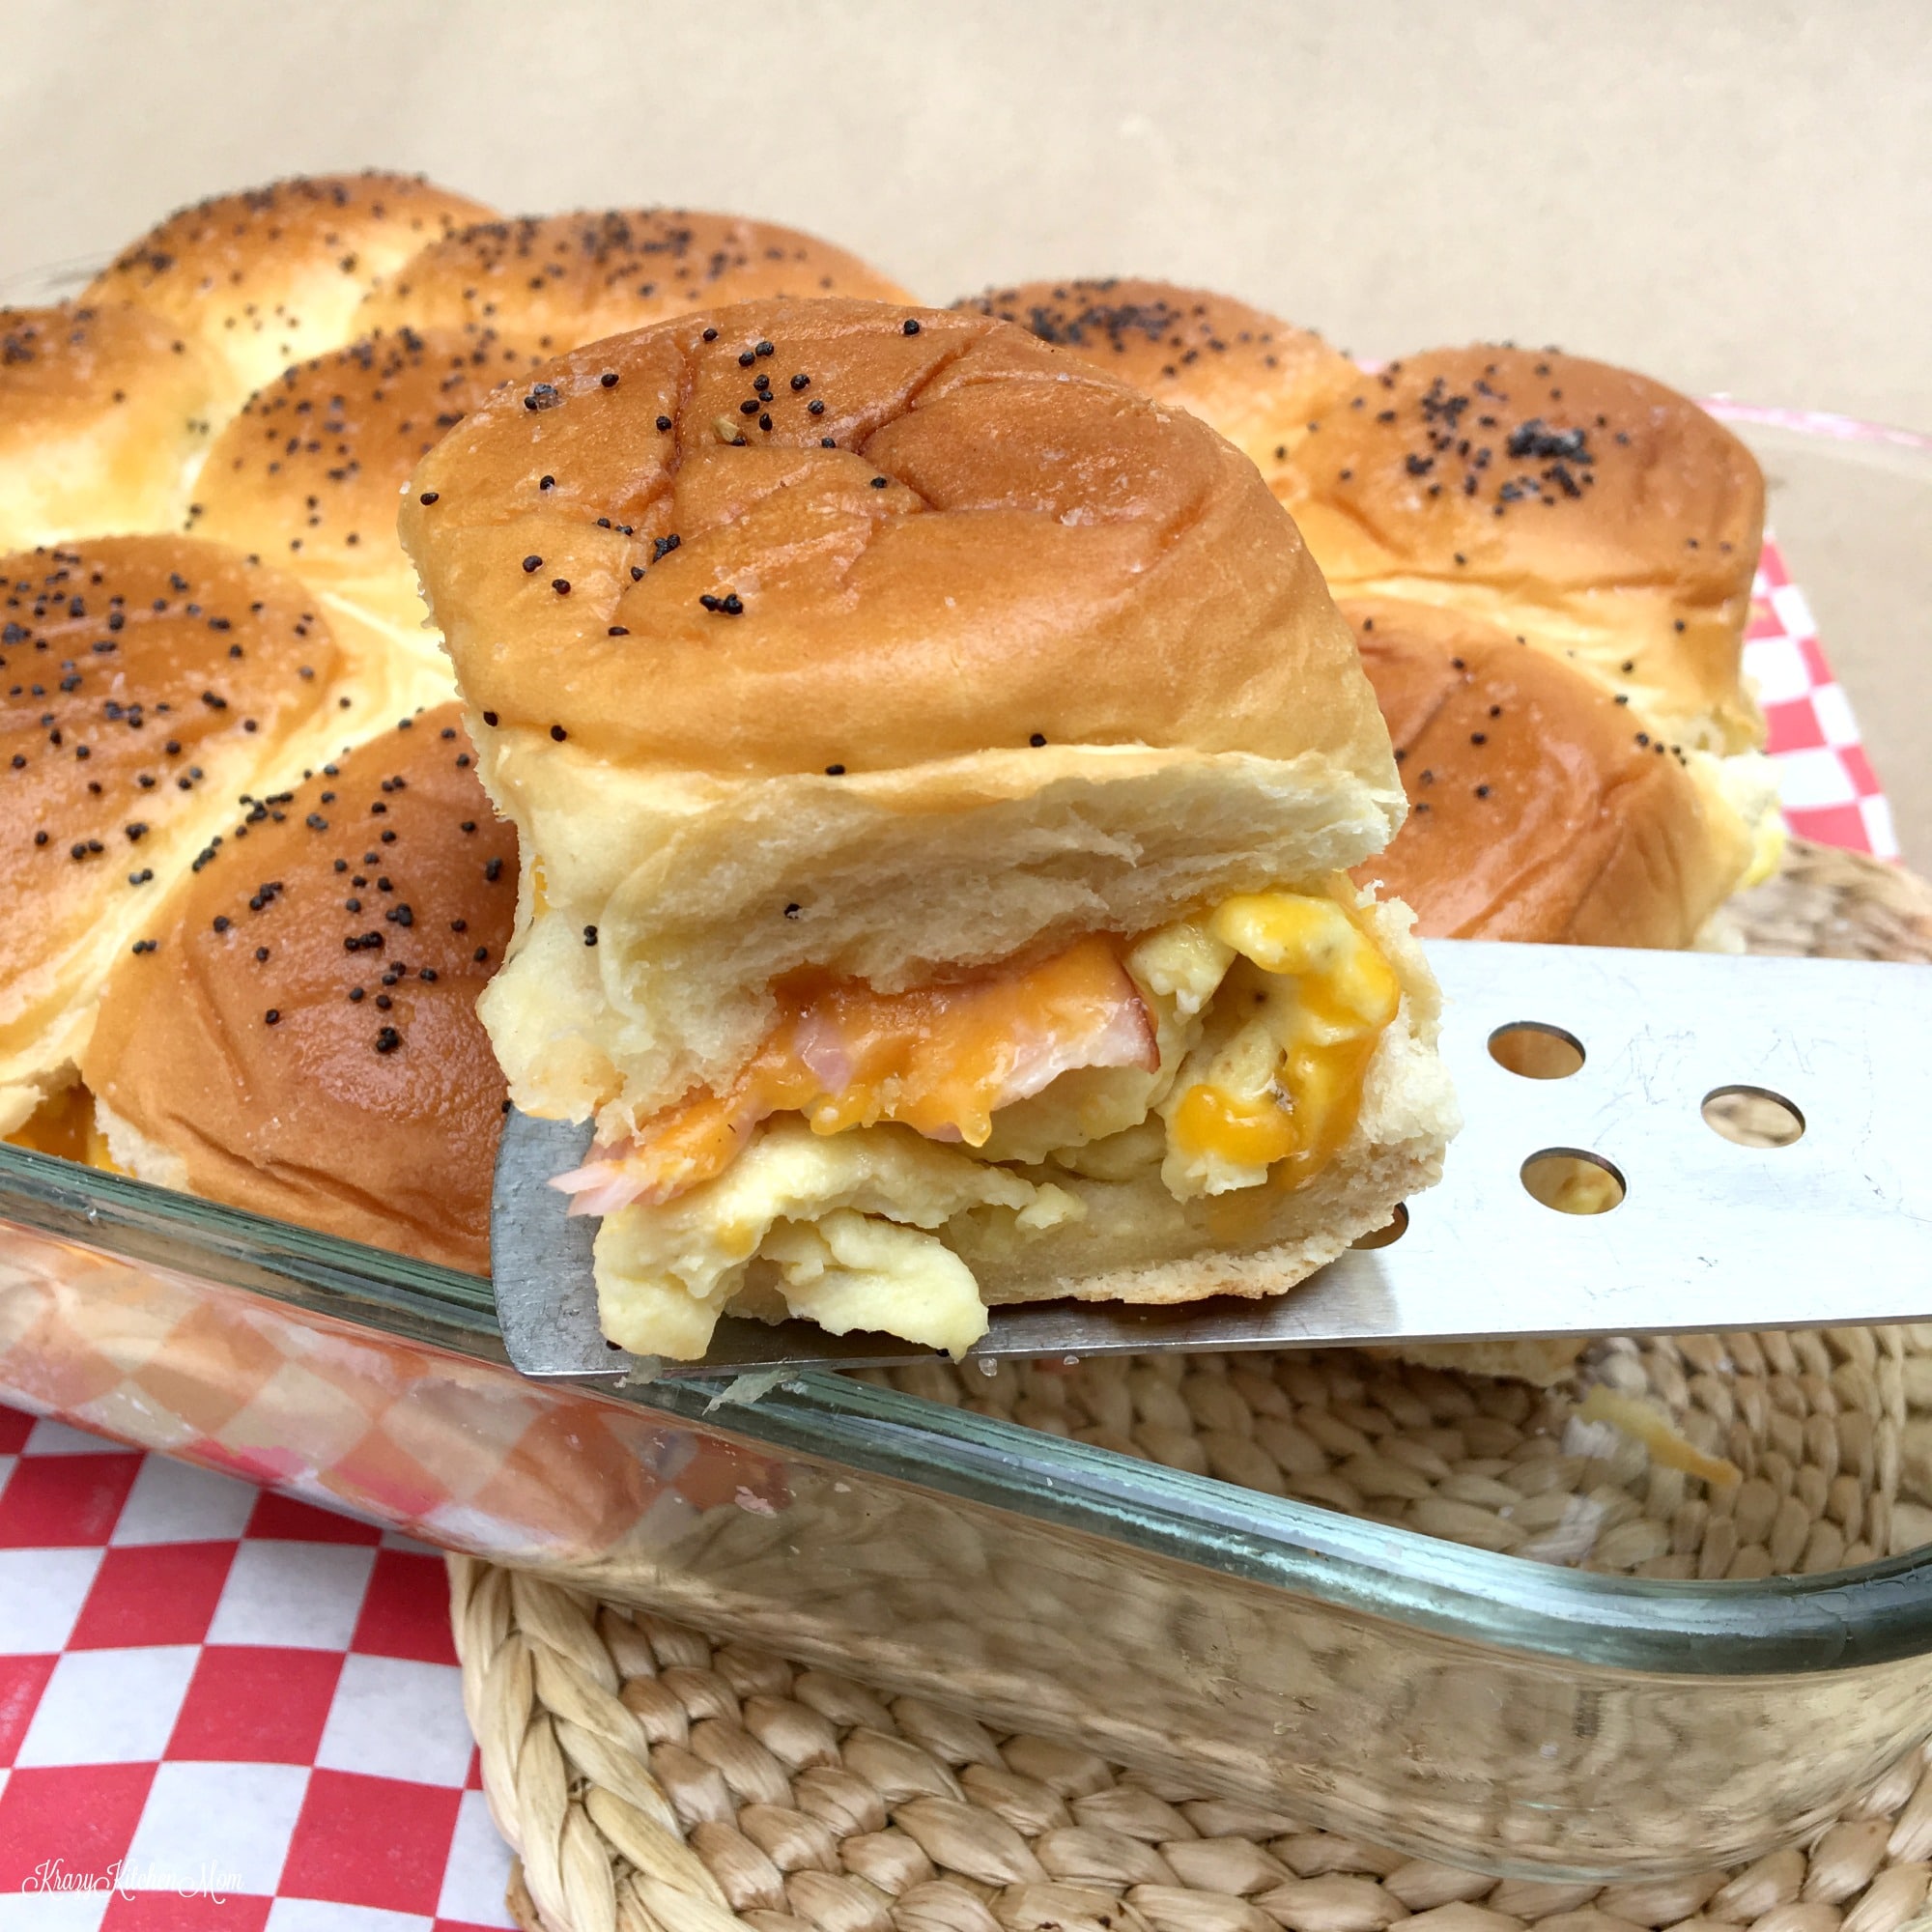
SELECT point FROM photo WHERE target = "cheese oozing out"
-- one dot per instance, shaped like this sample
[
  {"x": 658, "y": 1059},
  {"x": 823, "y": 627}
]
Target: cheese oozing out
[
  {"x": 65, "y": 1125},
  {"x": 1228, "y": 1050},
  {"x": 1273, "y": 1088}
]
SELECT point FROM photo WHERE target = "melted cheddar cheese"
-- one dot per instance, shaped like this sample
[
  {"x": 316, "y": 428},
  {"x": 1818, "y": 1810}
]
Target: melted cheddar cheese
[
  {"x": 65, "y": 1125},
  {"x": 939, "y": 1059},
  {"x": 1274, "y": 1088}
]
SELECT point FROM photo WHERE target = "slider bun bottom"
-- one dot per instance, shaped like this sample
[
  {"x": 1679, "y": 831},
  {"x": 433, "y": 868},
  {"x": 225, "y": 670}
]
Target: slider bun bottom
[
  {"x": 139, "y": 1154},
  {"x": 1541, "y": 1360},
  {"x": 893, "y": 878}
]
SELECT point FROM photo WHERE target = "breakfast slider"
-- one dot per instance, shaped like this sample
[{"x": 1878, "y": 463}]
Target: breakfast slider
[
  {"x": 297, "y": 1033},
  {"x": 107, "y": 405},
  {"x": 1539, "y": 808},
  {"x": 1594, "y": 513},
  {"x": 936, "y": 768},
  {"x": 549, "y": 282},
  {"x": 156, "y": 690}
]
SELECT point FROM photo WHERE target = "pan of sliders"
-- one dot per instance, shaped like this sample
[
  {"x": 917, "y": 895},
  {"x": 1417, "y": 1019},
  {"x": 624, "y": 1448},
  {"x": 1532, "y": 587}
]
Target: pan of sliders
[{"x": 1636, "y": 1607}]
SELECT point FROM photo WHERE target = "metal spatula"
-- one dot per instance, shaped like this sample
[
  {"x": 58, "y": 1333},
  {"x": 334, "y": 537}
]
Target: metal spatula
[{"x": 1767, "y": 1122}]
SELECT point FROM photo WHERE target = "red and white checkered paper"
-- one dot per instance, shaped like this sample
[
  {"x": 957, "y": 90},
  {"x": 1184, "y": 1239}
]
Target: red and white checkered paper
[
  {"x": 221, "y": 1707},
  {"x": 1826, "y": 782}
]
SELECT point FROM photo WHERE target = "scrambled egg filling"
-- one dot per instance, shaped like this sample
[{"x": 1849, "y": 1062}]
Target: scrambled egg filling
[
  {"x": 1226, "y": 1052},
  {"x": 1747, "y": 781}
]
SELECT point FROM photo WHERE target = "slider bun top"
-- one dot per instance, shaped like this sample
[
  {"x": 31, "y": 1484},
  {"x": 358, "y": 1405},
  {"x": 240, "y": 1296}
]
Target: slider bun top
[
  {"x": 1539, "y": 807},
  {"x": 152, "y": 683},
  {"x": 1001, "y": 546},
  {"x": 102, "y": 414},
  {"x": 234, "y": 1060},
  {"x": 307, "y": 477},
  {"x": 554, "y": 281},
  {"x": 1248, "y": 374},
  {"x": 1595, "y": 512},
  {"x": 269, "y": 275}
]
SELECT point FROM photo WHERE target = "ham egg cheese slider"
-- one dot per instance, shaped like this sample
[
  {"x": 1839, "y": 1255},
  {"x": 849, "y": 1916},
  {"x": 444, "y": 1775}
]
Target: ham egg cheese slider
[{"x": 936, "y": 768}]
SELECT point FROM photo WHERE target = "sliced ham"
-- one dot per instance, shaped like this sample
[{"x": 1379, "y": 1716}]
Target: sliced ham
[{"x": 939, "y": 1059}]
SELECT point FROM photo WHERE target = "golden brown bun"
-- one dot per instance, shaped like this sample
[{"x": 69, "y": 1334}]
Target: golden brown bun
[
  {"x": 554, "y": 281},
  {"x": 1603, "y": 517},
  {"x": 1539, "y": 809},
  {"x": 308, "y": 476},
  {"x": 235, "y": 1059},
  {"x": 1248, "y": 374},
  {"x": 1069, "y": 668},
  {"x": 1001, "y": 546},
  {"x": 271, "y": 274},
  {"x": 102, "y": 417},
  {"x": 152, "y": 684}
]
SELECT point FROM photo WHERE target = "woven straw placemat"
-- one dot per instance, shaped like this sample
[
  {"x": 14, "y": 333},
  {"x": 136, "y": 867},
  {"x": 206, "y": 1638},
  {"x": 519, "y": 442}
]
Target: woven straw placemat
[
  {"x": 653, "y": 1780},
  {"x": 649, "y": 1777}
]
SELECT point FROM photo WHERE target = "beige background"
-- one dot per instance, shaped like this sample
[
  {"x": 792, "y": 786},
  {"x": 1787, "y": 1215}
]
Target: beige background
[{"x": 1730, "y": 198}]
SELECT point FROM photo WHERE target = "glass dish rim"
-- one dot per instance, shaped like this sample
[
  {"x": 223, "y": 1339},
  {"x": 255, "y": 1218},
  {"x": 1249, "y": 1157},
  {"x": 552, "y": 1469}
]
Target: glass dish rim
[{"x": 1876, "y": 1613}]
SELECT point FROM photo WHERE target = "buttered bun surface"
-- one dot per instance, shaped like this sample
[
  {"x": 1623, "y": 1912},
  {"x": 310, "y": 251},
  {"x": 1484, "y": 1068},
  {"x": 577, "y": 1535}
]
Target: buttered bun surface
[
  {"x": 299, "y": 1036},
  {"x": 103, "y": 418},
  {"x": 942, "y": 538},
  {"x": 1256, "y": 379},
  {"x": 271, "y": 275},
  {"x": 156, "y": 690},
  {"x": 1598, "y": 514},
  {"x": 551, "y": 282},
  {"x": 1539, "y": 808}
]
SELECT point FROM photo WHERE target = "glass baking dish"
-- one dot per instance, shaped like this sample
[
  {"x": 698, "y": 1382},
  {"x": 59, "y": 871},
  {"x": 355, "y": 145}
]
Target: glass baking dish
[{"x": 1449, "y": 1701}]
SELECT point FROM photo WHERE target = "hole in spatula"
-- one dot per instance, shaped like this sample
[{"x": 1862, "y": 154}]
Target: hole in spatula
[
  {"x": 1536, "y": 1051},
  {"x": 1752, "y": 1117},
  {"x": 1388, "y": 1233},
  {"x": 1572, "y": 1181}
]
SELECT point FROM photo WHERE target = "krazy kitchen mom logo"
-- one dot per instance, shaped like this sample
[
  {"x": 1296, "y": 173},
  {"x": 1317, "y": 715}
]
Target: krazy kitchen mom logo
[{"x": 127, "y": 1876}]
